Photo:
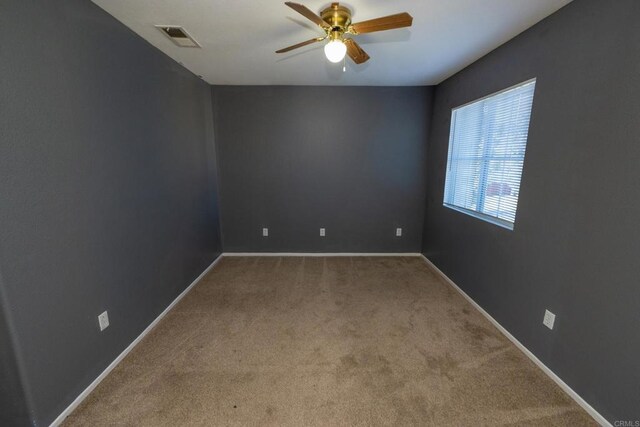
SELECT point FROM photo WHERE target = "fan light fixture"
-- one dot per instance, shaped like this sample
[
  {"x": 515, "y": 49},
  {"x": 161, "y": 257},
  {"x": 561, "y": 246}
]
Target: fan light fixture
[
  {"x": 335, "y": 22},
  {"x": 335, "y": 50}
]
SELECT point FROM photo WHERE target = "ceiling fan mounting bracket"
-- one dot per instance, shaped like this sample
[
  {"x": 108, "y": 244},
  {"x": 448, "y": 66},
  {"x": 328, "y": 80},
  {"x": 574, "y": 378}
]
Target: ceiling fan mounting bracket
[{"x": 338, "y": 17}]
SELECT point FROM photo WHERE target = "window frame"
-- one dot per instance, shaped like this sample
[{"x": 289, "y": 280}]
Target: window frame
[{"x": 479, "y": 215}]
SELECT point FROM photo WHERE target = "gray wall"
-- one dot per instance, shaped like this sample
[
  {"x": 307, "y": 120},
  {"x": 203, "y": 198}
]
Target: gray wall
[
  {"x": 295, "y": 159},
  {"x": 576, "y": 241},
  {"x": 108, "y": 189},
  {"x": 13, "y": 404}
]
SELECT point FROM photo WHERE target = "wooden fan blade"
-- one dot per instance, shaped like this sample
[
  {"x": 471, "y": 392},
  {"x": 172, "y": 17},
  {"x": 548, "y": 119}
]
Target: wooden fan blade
[
  {"x": 304, "y": 11},
  {"x": 355, "y": 52},
  {"x": 381, "y": 24},
  {"x": 295, "y": 46}
]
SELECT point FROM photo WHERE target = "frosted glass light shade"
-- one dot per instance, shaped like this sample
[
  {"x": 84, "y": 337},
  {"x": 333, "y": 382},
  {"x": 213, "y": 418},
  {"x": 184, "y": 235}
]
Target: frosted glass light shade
[{"x": 335, "y": 50}]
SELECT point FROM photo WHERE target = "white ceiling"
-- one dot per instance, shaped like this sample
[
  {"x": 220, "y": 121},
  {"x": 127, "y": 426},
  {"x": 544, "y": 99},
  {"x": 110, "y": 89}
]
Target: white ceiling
[{"x": 239, "y": 38}]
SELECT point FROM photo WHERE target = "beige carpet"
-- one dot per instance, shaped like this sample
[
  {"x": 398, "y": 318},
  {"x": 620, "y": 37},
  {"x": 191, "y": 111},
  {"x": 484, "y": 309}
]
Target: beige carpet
[{"x": 326, "y": 341}]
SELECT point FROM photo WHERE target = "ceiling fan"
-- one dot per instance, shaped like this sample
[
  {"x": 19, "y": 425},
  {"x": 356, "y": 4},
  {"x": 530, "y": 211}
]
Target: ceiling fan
[{"x": 335, "y": 21}]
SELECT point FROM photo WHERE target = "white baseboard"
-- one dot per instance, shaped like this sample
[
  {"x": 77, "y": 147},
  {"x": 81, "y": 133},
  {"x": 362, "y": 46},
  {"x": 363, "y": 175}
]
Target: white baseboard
[
  {"x": 575, "y": 396},
  {"x": 127, "y": 350},
  {"x": 318, "y": 254}
]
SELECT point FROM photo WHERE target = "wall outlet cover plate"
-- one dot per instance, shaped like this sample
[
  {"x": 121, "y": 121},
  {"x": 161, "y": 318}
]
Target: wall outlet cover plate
[
  {"x": 549, "y": 319},
  {"x": 103, "y": 321}
]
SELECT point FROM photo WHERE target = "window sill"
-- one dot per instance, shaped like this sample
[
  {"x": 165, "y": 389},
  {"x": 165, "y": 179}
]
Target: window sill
[{"x": 487, "y": 218}]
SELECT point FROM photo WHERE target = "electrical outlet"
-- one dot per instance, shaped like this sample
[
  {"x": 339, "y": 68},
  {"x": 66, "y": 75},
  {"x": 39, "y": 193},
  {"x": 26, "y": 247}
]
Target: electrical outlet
[
  {"x": 265, "y": 232},
  {"x": 549, "y": 319},
  {"x": 322, "y": 232},
  {"x": 398, "y": 232},
  {"x": 103, "y": 321}
]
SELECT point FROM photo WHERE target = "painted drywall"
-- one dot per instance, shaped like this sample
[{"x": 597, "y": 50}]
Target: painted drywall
[
  {"x": 295, "y": 159},
  {"x": 576, "y": 240},
  {"x": 13, "y": 403},
  {"x": 108, "y": 184},
  {"x": 13, "y": 407},
  {"x": 445, "y": 36}
]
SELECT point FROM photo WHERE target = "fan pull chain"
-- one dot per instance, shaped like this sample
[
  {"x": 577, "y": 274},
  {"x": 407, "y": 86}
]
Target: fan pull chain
[{"x": 344, "y": 64}]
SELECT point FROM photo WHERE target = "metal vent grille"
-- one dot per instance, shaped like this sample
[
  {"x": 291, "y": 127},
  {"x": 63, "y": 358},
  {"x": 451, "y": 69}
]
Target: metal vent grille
[{"x": 178, "y": 35}]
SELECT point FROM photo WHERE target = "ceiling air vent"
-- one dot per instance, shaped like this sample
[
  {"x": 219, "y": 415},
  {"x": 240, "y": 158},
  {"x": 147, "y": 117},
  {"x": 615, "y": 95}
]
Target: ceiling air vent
[{"x": 178, "y": 35}]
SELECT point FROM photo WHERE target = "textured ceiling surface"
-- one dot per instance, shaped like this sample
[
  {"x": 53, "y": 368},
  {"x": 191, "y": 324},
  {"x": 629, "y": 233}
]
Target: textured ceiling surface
[{"x": 239, "y": 38}]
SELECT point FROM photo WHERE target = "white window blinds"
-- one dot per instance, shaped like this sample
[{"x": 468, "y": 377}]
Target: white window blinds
[{"x": 486, "y": 153}]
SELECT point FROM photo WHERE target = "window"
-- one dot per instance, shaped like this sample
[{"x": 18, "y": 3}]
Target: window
[{"x": 486, "y": 152}]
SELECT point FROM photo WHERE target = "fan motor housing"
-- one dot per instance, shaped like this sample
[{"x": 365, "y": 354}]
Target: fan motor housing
[{"x": 339, "y": 17}]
